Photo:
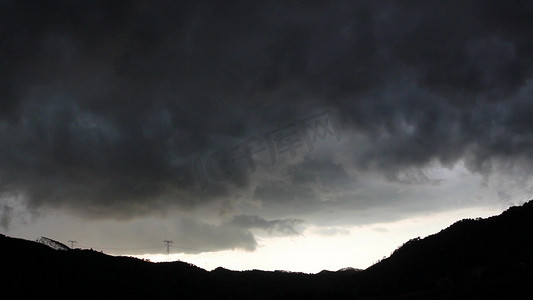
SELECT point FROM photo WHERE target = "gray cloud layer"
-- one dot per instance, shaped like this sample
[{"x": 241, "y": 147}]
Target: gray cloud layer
[
  {"x": 284, "y": 227},
  {"x": 105, "y": 105}
]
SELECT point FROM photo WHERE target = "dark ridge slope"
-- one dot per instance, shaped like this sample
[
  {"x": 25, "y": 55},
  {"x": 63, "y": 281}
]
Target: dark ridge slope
[{"x": 471, "y": 257}]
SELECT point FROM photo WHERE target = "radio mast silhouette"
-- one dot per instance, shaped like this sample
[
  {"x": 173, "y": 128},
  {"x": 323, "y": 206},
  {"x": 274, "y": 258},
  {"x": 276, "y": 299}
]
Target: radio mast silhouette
[
  {"x": 168, "y": 243},
  {"x": 72, "y": 244}
]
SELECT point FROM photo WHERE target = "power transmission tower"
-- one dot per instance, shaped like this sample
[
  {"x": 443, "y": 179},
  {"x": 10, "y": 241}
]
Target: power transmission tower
[
  {"x": 72, "y": 244},
  {"x": 168, "y": 243}
]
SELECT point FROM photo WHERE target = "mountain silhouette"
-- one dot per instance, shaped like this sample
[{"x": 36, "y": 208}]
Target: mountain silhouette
[{"x": 473, "y": 259}]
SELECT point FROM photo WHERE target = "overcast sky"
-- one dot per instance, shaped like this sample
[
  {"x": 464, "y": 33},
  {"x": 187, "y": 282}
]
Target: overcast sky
[{"x": 235, "y": 129}]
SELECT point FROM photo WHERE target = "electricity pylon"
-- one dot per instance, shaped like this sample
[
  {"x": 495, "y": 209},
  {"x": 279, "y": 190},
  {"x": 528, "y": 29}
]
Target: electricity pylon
[{"x": 168, "y": 243}]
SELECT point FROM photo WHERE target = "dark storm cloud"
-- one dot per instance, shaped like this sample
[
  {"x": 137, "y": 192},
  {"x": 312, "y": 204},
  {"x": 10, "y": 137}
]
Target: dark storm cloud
[
  {"x": 105, "y": 105},
  {"x": 5, "y": 216},
  {"x": 284, "y": 226},
  {"x": 314, "y": 184},
  {"x": 202, "y": 237}
]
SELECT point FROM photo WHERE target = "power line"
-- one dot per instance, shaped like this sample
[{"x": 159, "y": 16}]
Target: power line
[
  {"x": 72, "y": 244},
  {"x": 195, "y": 249},
  {"x": 119, "y": 248},
  {"x": 141, "y": 248}
]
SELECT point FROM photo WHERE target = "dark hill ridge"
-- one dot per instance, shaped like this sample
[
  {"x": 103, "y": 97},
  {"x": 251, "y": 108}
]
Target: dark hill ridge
[
  {"x": 483, "y": 258},
  {"x": 493, "y": 255}
]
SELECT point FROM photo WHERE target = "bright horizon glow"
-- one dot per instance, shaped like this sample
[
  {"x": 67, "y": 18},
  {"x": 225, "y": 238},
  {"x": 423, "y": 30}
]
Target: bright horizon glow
[{"x": 312, "y": 252}]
